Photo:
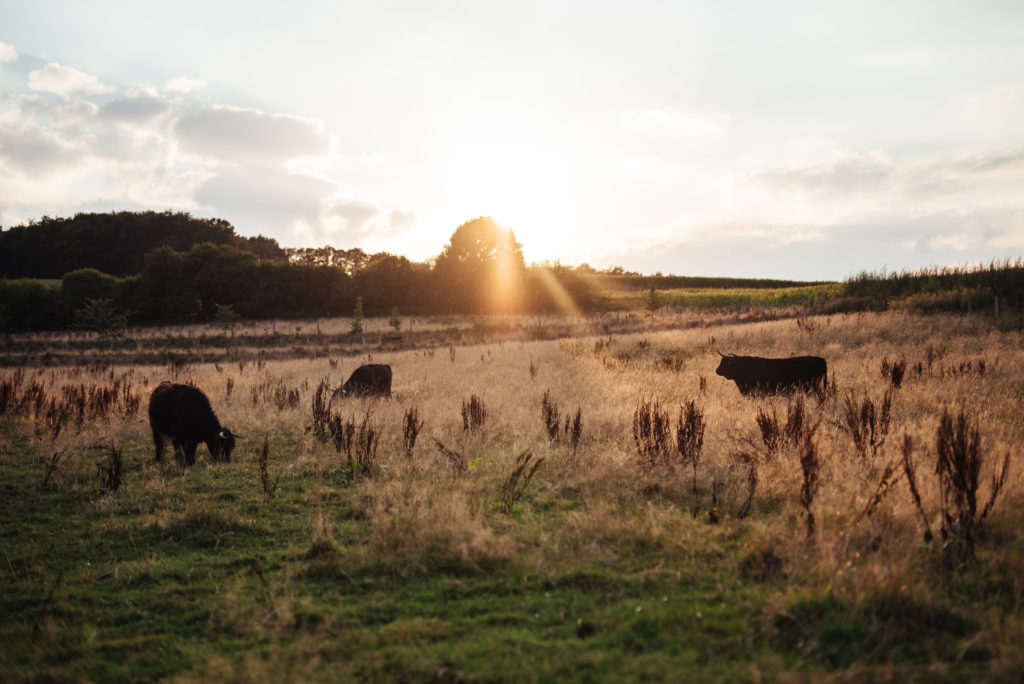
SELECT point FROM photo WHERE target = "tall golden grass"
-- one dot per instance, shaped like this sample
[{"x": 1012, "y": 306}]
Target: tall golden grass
[{"x": 846, "y": 519}]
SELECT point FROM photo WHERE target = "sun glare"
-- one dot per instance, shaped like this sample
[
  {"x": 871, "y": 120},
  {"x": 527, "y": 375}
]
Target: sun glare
[{"x": 521, "y": 179}]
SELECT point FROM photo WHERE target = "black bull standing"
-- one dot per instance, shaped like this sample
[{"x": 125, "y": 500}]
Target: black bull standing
[
  {"x": 183, "y": 413},
  {"x": 756, "y": 375}
]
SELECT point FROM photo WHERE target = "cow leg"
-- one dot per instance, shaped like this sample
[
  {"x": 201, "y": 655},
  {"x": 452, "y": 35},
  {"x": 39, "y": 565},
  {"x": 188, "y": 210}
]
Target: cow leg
[
  {"x": 158, "y": 440},
  {"x": 177, "y": 450},
  {"x": 190, "y": 453}
]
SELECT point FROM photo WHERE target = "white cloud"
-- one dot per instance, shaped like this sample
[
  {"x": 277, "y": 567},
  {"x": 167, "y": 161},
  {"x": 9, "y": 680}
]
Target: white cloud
[
  {"x": 357, "y": 219},
  {"x": 140, "y": 109},
  {"x": 270, "y": 202},
  {"x": 36, "y": 151},
  {"x": 184, "y": 84},
  {"x": 845, "y": 175},
  {"x": 71, "y": 114},
  {"x": 249, "y": 136},
  {"x": 64, "y": 81},
  {"x": 7, "y": 53},
  {"x": 137, "y": 151}
]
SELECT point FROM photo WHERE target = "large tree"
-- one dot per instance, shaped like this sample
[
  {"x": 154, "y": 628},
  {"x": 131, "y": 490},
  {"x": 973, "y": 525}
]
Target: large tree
[{"x": 481, "y": 269}]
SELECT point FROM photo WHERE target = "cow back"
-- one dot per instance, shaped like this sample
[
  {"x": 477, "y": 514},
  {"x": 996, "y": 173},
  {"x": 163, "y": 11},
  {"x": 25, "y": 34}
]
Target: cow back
[
  {"x": 767, "y": 375},
  {"x": 372, "y": 379},
  {"x": 182, "y": 412}
]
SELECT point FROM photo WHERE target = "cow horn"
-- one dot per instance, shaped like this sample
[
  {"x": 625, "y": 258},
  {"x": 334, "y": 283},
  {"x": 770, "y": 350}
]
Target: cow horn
[{"x": 720, "y": 354}]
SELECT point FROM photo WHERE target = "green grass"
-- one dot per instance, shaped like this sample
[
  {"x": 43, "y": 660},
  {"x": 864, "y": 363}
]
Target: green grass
[
  {"x": 95, "y": 589},
  {"x": 736, "y": 297},
  {"x": 203, "y": 576}
]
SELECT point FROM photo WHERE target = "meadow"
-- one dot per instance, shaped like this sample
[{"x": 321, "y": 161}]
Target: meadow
[{"x": 595, "y": 505}]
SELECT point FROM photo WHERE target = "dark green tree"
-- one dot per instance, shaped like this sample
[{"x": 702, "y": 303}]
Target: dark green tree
[
  {"x": 389, "y": 281},
  {"x": 84, "y": 284},
  {"x": 653, "y": 300},
  {"x": 30, "y": 305},
  {"x": 102, "y": 317}
]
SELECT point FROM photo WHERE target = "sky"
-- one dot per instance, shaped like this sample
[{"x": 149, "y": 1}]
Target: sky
[{"x": 792, "y": 139}]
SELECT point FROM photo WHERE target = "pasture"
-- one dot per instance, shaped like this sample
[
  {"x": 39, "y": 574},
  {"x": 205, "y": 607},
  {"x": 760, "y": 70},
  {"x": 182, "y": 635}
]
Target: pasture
[{"x": 598, "y": 507}]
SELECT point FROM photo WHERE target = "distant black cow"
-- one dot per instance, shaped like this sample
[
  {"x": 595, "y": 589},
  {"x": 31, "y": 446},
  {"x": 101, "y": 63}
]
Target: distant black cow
[
  {"x": 183, "y": 414},
  {"x": 756, "y": 375},
  {"x": 373, "y": 379}
]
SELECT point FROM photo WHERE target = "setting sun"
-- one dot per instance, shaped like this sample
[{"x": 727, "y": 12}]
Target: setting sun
[{"x": 503, "y": 169}]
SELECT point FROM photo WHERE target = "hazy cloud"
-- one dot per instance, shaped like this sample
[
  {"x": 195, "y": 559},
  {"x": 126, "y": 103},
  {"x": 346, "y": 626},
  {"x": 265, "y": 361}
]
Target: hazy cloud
[
  {"x": 7, "y": 53},
  {"x": 818, "y": 252},
  {"x": 249, "y": 136},
  {"x": 359, "y": 219},
  {"x": 36, "y": 151},
  {"x": 64, "y": 81},
  {"x": 143, "y": 108},
  {"x": 355, "y": 214},
  {"x": 272, "y": 202},
  {"x": 877, "y": 181},
  {"x": 142, "y": 149},
  {"x": 850, "y": 174},
  {"x": 184, "y": 84}
]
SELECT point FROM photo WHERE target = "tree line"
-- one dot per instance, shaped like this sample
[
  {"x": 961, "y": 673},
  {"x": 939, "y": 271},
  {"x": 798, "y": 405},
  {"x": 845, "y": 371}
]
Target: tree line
[
  {"x": 166, "y": 268},
  {"x": 174, "y": 268}
]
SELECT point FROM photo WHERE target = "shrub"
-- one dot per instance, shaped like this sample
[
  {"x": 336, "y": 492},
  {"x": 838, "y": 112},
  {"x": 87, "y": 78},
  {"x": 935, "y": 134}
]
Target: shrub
[
  {"x": 652, "y": 434},
  {"x": 894, "y": 371},
  {"x": 959, "y": 459},
  {"x": 868, "y": 426},
  {"x": 474, "y": 413}
]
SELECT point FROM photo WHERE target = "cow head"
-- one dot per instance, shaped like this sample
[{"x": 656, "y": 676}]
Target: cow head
[
  {"x": 727, "y": 367},
  {"x": 222, "y": 444}
]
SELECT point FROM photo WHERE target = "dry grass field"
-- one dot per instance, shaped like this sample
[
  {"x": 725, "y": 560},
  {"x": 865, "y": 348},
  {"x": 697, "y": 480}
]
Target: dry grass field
[{"x": 806, "y": 537}]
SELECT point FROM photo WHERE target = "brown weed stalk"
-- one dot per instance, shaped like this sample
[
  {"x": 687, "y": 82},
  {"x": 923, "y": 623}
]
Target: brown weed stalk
[
  {"x": 690, "y": 436},
  {"x": 652, "y": 434},
  {"x": 575, "y": 430},
  {"x": 910, "y": 470},
  {"x": 867, "y": 425},
  {"x": 269, "y": 488},
  {"x": 474, "y": 413},
  {"x": 454, "y": 457},
  {"x": 514, "y": 486},
  {"x": 810, "y": 464},
  {"x": 550, "y": 414},
  {"x": 111, "y": 472},
  {"x": 411, "y": 429},
  {"x": 748, "y": 459}
]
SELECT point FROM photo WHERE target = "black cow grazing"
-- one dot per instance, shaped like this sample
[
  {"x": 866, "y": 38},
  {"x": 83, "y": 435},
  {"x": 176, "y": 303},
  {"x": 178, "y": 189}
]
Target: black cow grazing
[
  {"x": 371, "y": 380},
  {"x": 183, "y": 414},
  {"x": 756, "y": 375}
]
